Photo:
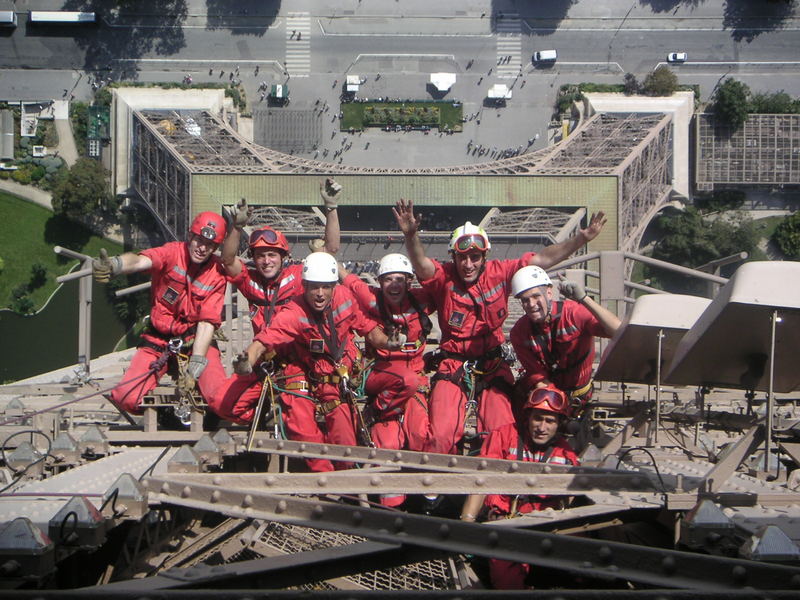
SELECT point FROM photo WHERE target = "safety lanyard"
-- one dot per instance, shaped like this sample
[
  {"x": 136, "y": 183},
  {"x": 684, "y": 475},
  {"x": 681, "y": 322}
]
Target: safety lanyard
[
  {"x": 424, "y": 320},
  {"x": 331, "y": 341}
]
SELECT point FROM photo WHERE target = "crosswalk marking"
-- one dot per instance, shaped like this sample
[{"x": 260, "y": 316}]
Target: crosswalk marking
[
  {"x": 298, "y": 44},
  {"x": 509, "y": 44}
]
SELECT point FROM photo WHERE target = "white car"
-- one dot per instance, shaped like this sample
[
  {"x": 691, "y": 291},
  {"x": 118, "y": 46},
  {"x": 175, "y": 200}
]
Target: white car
[{"x": 677, "y": 57}]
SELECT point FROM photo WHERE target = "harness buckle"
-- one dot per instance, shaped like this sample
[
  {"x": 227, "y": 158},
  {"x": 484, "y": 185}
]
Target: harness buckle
[{"x": 174, "y": 345}]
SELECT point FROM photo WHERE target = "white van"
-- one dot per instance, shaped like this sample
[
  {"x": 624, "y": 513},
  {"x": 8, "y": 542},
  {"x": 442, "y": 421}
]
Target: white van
[
  {"x": 8, "y": 18},
  {"x": 545, "y": 56}
]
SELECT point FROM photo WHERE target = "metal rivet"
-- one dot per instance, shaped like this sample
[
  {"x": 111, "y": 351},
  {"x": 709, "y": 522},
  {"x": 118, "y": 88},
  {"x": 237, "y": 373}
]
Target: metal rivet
[
  {"x": 260, "y": 443},
  {"x": 546, "y": 546},
  {"x": 281, "y": 507},
  {"x": 301, "y": 448},
  {"x": 217, "y": 480},
  {"x": 547, "y": 469},
  {"x": 668, "y": 565},
  {"x": 324, "y": 450},
  {"x": 444, "y": 531},
  {"x": 530, "y": 481},
  {"x": 480, "y": 481},
  {"x": 317, "y": 512},
  {"x": 358, "y": 517},
  {"x": 605, "y": 554},
  {"x": 513, "y": 467},
  {"x": 322, "y": 481},
  {"x": 281, "y": 445},
  {"x": 270, "y": 480},
  {"x": 348, "y": 451},
  {"x": 247, "y": 500},
  {"x": 186, "y": 491},
  {"x": 216, "y": 495},
  {"x": 399, "y": 524},
  {"x": 452, "y": 462},
  {"x": 165, "y": 488},
  {"x": 427, "y": 480},
  {"x": 739, "y": 574},
  {"x": 636, "y": 482},
  {"x": 583, "y": 481},
  {"x": 493, "y": 538},
  {"x": 372, "y": 453},
  {"x": 375, "y": 480},
  {"x": 398, "y": 456},
  {"x": 425, "y": 459}
]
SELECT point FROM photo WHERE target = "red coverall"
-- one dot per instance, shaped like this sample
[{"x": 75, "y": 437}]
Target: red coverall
[
  {"x": 309, "y": 337},
  {"x": 240, "y": 393},
  {"x": 561, "y": 350},
  {"x": 504, "y": 443},
  {"x": 471, "y": 320},
  {"x": 397, "y": 380},
  {"x": 182, "y": 295}
]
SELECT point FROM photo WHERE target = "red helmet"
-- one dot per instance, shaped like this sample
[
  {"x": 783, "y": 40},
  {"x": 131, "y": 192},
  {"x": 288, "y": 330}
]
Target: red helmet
[
  {"x": 209, "y": 226},
  {"x": 267, "y": 237},
  {"x": 550, "y": 399}
]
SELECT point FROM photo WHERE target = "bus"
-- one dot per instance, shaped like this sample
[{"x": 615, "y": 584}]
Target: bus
[
  {"x": 8, "y": 18},
  {"x": 61, "y": 17}
]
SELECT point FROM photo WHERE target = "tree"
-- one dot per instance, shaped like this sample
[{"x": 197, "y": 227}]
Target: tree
[
  {"x": 661, "y": 82},
  {"x": 787, "y": 236},
  {"x": 83, "y": 191},
  {"x": 631, "y": 85},
  {"x": 731, "y": 102},
  {"x": 778, "y": 103},
  {"x": 38, "y": 275}
]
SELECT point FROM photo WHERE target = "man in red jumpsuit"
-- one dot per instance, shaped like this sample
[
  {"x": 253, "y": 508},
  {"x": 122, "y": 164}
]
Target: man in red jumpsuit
[
  {"x": 318, "y": 328},
  {"x": 537, "y": 439},
  {"x": 471, "y": 295},
  {"x": 554, "y": 341},
  {"x": 268, "y": 286},
  {"x": 187, "y": 295},
  {"x": 396, "y": 380}
]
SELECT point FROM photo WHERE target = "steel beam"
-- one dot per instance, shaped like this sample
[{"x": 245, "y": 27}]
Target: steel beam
[{"x": 587, "y": 557}]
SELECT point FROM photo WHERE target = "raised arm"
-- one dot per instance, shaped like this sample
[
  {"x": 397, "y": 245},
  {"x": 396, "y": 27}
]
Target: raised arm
[
  {"x": 105, "y": 267},
  {"x": 331, "y": 193},
  {"x": 607, "y": 319},
  {"x": 409, "y": 225},
  {"x": 230, "y": 247},
  {"x": 552, "y": 255}
]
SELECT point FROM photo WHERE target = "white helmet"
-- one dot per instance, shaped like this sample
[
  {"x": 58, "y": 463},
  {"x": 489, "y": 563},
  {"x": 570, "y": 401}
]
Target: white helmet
[
  {"x": 320, "y": 267},
  {"x": 469, "y": 236},
  {"x": 527, "y": 278},
  {"x": 395, "y": 263}
]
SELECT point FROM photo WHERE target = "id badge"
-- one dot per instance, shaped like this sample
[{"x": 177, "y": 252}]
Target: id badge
[
  {"x": 170, "y": 296},
  {"x": 316, "y": 346},
  {"x": 456, "y": 319}
]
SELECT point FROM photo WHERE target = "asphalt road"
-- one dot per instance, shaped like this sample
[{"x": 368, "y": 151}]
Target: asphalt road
[{"x": 404, "y": 42}]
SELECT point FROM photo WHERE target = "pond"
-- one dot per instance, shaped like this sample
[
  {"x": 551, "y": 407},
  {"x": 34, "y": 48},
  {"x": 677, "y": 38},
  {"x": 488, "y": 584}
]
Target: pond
[{"x": 49, "y": 340}]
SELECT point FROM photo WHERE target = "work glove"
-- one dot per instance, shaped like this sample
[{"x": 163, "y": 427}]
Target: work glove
[
  {"x": 197, "y": 364},
  {"x": 331, "y": 193},
  {"x": 105, "y": 267},
  {"x": 241, "y": 364},
  {"x": 242, "y": 215},
  {"x": 396, "y": 340},
  {"x": 572, "y": 290}
]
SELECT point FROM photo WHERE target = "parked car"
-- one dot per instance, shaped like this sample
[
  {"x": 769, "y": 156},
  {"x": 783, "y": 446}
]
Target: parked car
[{"x": 677, "y": 57}]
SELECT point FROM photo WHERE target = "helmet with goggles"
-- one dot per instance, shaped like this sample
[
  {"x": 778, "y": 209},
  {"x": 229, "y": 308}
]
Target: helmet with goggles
[
  {"x": 267, "y": 237},
  {"x": 549, "y": 399},
  {"x": 395, "y": 263},
  {"x": 527, "y": 278},
  {"x": 469, "y": 237},
  {"x": 320, "y": 267},
  {"x": 210, "y": 226}
]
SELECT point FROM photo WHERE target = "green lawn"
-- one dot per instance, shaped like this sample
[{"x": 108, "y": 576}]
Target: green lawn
[
  {"x": 441, "y": 115},
  {"x": 28, "y": 234}
]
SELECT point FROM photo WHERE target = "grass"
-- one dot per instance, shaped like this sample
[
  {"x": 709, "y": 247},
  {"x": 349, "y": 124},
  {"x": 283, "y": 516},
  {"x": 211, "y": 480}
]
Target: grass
[
  {"x": 28, "y": 234},
  {"x": 358, "y": 115}
]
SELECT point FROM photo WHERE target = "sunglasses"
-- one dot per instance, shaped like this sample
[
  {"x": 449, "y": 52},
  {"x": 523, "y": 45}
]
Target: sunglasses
[
  {"x": 268, "y": 235},
  {"x": 557, "y": 402},
  {"x": 468, "y": 242}
]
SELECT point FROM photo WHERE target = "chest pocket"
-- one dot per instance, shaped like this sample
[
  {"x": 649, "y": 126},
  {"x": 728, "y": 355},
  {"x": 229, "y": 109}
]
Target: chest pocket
[{"x": 494, "y": 305}]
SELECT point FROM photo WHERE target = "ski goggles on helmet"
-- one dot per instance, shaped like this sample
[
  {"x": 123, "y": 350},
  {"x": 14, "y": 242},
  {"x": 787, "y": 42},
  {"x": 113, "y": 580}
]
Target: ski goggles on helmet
[
  {"x": 269, "y": 236},
  {"x": 472, "y": 241},
  {"x": 549, "y": 400}
]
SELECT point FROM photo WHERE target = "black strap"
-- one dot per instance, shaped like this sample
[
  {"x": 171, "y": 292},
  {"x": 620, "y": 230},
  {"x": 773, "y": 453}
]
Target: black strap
[
  {"x": 424, "y": 320},
  {"x": 520, "y": 449},
  {"x": 335, "y": 349}
]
